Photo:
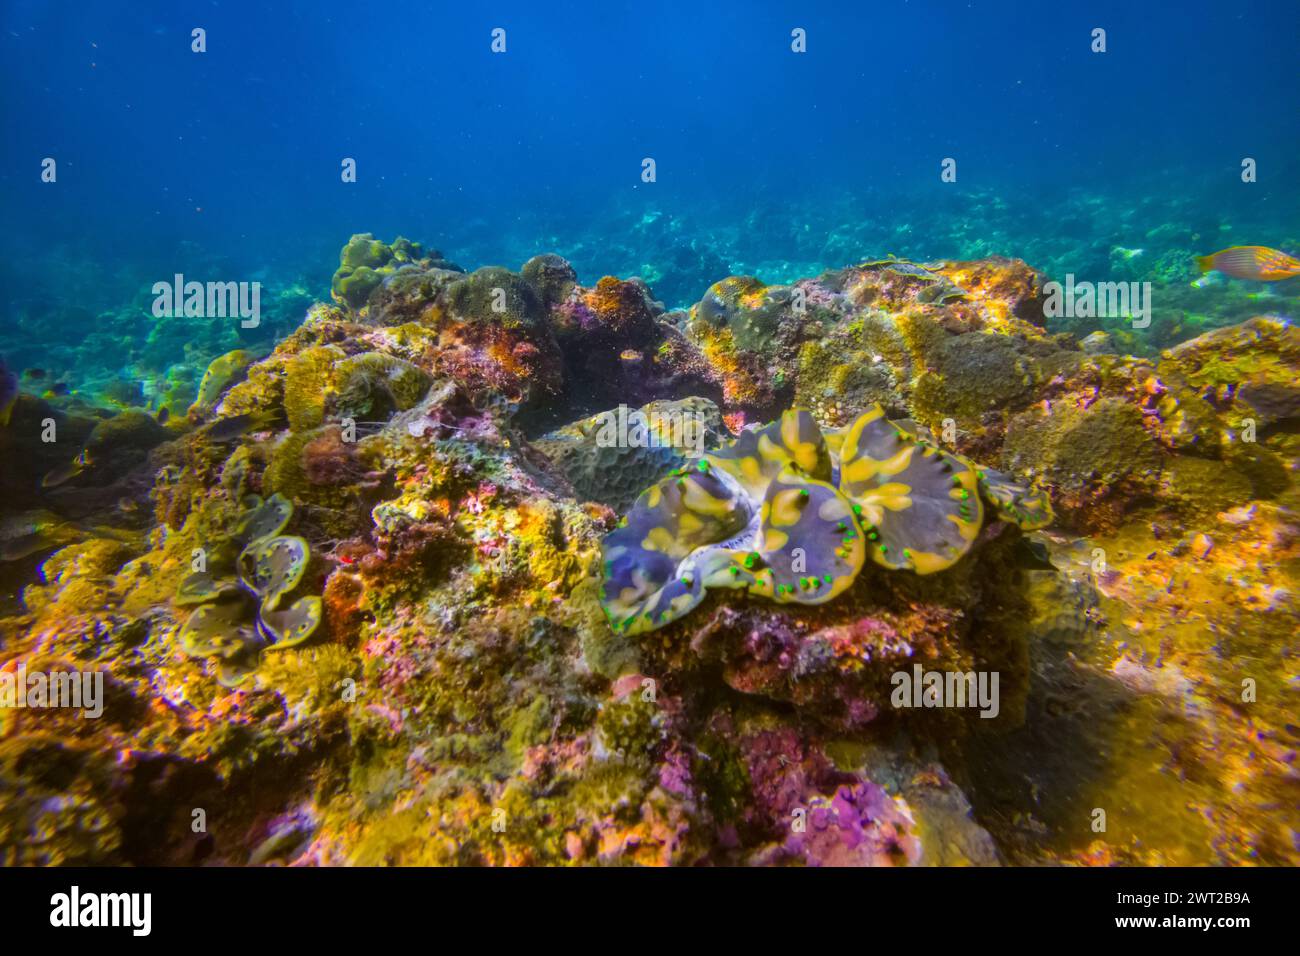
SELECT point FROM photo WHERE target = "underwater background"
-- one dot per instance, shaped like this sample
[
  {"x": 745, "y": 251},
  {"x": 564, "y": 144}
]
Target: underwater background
[
  {"x": 366, "y": 583},
  {"x": 768, "y": 163}
]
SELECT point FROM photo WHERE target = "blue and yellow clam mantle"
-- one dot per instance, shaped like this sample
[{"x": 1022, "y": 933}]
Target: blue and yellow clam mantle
[{"x": 790, "y": 512}]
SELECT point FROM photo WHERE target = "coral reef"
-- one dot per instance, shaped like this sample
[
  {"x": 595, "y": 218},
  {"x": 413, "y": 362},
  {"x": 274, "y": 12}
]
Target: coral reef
[{"x": 423, "y": 671}]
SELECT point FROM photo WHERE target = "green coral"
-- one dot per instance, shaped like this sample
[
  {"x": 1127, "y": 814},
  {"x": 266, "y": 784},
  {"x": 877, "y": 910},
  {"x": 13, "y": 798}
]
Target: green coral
[
  {"x": 372, "y": 386},
  {"x": 309, "y": 383},
  {"x": 630, "y": 728},
  {"x": 552, "y": 277},
  {"x": 364, "y": 264},
  {"x": 754, "y": 312},
  {"x": 322, "y": 383},
  {"x": 493, "y": 296}
]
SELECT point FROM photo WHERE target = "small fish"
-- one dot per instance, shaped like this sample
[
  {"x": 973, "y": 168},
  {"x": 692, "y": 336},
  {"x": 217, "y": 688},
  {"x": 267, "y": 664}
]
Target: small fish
[
  {"x": 224, "y": 371},
  {"x": 163, "y": 415},
  {"x": 26, "y": 533},
  {"x": 8, "y": 393},
  {"x": 57, "y": 390},
  {"x": 1259, "y": 263},
  {"x": 228, "y": 429},
  {"x": 35, "y": 374},
  {"x": 23, "y": 547},
  {"x": 65, "y": 473}
]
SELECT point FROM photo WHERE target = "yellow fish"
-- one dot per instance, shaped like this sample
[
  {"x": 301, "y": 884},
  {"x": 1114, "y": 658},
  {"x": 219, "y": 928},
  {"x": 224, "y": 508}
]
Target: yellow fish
[
  {"x": 1259, "y": 263},
  {"x": 65, "y": 473},
  {"x": 224, "y": 371}
]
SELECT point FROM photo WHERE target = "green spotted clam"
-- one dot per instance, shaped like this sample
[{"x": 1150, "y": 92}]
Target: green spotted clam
[
  {"x": 790, "y": 512},
  {"x": 239, "y": 594}
]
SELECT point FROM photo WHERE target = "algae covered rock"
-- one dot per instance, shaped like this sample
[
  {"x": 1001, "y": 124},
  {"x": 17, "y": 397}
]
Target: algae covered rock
[
  {"x": 1254, "y": 365},
  {"x": 974, "y": 374},
  {"x": 1099, "y": 460},
  {"x": 1199, "y": 488},
  {"x": 619, "y": 346},
  {"x": 750, "y": 332},
  {"x": 1009, "y": 287},
  {"x": 551, "y": 276},
  {"x": 622, "y": 312},
  {"x": 837, "y": 376},
  {"x": 495, "y": 337},
  {"x": 612, "y": 456},
  {"x": 911, "y": 337},
  {"x": 54, "y": 808},
  {"x": 324, "y": 471}
]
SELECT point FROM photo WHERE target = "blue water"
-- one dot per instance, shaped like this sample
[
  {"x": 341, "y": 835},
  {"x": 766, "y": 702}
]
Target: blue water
[{"x": 228, "y": 162}]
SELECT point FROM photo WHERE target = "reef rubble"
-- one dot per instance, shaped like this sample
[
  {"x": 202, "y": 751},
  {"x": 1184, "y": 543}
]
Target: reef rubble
[{"x": 348, "y": 609}]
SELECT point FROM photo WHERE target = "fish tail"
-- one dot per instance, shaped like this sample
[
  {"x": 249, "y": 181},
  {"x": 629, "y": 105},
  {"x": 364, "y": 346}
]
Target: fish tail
[{"x": 1205, "y": 263}]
